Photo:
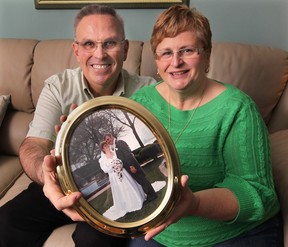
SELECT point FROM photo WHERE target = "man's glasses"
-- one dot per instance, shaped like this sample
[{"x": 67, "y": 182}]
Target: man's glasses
[
  {"x": 188, "y": 52},
  {"x": 109, "y": 45}
]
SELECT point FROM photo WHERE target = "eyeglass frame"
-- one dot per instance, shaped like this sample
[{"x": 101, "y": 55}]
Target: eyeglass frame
[
  {"x": 82, "y": 44},
  {"x": 181, "y": 55}
]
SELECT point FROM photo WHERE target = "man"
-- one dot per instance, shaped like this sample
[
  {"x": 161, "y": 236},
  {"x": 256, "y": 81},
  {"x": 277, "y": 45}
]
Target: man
[
  {"x": 100, "y": 48},
  {"x": 131, "y": 165}
]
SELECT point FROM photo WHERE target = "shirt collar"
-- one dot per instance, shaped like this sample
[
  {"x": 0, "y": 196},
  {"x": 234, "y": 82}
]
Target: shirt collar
[
  {"x": 85, "y": 85},
  {"x": 119, "y": 90}
]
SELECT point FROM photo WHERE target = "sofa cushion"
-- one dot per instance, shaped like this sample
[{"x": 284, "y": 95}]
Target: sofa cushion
[
  {"x": 279, "y": 121},
  {"x": 50, "y": 57},
  {"x": 21, "y": 183},
  {"x": 10, "y": 170},
  {"x": 133, "y": 61},
  {"x": 4, "y": 102},
  {"x": 148, "y": 64},
  {"x": 56, "y": 238},
  {"x": 260, "y": 71},
  {"x": 13, "y": 130},
  {"x": 15, "y": 71}
]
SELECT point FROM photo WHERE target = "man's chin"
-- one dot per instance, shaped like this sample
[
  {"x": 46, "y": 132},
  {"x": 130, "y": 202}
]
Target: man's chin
[{"x": 101, "y": 79}]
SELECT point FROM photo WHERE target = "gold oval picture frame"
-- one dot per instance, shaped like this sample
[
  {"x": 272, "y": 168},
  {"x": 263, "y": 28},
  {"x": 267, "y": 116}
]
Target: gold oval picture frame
[{"x": 123, "y": 161}]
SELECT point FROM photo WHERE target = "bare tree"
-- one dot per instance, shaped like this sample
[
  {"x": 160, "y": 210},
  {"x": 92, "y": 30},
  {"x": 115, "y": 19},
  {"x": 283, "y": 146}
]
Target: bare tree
[{"x": 127, "y": 121}]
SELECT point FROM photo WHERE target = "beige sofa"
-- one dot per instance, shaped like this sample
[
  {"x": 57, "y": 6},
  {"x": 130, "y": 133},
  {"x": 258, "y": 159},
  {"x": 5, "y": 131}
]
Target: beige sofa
[{"x": 262, "y": 72}]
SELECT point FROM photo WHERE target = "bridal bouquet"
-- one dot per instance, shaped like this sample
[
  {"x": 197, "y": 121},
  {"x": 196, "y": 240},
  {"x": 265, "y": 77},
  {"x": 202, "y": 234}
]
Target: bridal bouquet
[{"x": 118, "y": 167}]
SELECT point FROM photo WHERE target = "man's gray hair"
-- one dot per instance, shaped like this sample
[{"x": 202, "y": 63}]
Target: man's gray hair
[{"x": 96, "y": 9}]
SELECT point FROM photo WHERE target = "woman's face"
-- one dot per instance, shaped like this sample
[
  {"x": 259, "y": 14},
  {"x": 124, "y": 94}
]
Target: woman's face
[
  {"x": 179, "y": 64},
  {"x": 105, "y": 147}
]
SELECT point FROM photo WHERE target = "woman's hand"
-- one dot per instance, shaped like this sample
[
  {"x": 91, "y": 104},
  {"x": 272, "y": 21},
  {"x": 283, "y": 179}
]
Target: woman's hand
[
  {"x": 182, "y": 209},
  {"x": 53, "y": 192},
  {"x": 214, "y": 203}
]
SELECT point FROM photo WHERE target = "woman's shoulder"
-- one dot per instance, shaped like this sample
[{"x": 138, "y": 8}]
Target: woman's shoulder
[
  {"x": 145, "y": 91},
  {"x": 231, "y": 99},
  {"x": 148, "y": 88},
  {"x": 232, "y": 92}
]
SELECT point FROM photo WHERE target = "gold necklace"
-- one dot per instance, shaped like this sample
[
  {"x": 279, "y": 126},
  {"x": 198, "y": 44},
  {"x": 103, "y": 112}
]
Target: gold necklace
[{"x": 189, "y": 120}]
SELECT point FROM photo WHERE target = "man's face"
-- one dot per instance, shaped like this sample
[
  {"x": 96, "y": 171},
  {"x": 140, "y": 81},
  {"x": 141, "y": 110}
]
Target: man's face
[
  {"x": 109, "y": 140},
  {"x": 101, "y": 67}
]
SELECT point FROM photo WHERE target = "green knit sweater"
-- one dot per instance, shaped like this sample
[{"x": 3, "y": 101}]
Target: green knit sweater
[{"x": 226, "y": 145}]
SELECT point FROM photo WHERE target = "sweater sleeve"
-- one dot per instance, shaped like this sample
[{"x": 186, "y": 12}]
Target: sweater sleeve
[{"x": 247, "y": 160}]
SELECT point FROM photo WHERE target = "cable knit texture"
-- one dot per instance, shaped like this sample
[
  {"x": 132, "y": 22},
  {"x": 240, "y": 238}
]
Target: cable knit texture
[{"x": 225, "y": 145}]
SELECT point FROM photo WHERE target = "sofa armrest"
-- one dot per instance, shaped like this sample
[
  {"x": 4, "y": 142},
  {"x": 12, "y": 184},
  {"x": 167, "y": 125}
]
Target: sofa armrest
[
  {"x": 279, "y": 148},
  {"x": 10, "y": 170}
]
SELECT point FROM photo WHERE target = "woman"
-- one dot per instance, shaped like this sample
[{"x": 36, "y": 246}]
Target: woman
[
  {"x": 221, "y": 139},
  {"x": 127, "y": 194}
]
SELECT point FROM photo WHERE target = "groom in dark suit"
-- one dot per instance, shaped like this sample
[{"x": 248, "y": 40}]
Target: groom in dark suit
[{"x": 131, "y": 165}]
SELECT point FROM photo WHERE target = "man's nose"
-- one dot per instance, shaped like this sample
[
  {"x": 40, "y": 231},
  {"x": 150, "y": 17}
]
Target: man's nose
[{"x": 99, "y": 51}]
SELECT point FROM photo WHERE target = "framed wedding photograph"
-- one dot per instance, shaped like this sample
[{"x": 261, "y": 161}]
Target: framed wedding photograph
[
  {"x": 123, "y": 161},
  {"x": 119, "y": 4}
]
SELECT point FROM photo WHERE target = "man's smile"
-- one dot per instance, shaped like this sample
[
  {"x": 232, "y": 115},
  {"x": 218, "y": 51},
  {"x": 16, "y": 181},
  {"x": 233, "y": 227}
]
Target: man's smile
[{"x": 100, "y": 66}]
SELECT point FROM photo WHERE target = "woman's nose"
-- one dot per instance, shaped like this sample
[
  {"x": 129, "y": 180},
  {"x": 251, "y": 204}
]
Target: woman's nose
[{"x": 176, "y": 59}]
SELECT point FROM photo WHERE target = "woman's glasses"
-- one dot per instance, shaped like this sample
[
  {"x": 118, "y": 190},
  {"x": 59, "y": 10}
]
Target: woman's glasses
[{"x": 188, "y": 52}]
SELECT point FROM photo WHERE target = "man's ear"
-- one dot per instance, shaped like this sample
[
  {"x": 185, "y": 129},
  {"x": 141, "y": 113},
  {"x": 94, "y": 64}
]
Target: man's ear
[
  {"x": 75, "y": 48},
  {"x": 126, "y": 48}
]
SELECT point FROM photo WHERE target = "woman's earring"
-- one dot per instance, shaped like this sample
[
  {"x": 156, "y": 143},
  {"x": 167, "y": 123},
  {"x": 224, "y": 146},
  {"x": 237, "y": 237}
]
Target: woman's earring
[{"x": 207, "y": 70}]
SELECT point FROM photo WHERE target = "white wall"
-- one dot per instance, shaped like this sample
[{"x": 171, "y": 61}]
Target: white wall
[{"x": 247, "y": 21}]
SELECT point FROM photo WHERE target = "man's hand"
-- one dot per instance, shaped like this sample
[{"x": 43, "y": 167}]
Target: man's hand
[
  {"x": 53, "y": 192},
  {"x": 63, "y": 118},
  {"x": 52, "y": 189}
]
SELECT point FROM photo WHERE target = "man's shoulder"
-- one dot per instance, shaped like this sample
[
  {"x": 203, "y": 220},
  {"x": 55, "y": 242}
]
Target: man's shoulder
[
  {"x": 133, "y": 82},
  {"x": 137, "y": 79},
  {"x": 119, "y": 141},
  {"x": 66, "y": 75}
]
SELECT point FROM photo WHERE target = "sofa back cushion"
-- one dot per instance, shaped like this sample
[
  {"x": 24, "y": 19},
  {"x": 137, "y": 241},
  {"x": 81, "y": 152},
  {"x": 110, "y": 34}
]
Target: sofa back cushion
[
  {"x": 279, "y": 119},
  {"x": 4, "y": 102},
  {"x": 15, "y": 71},
  {"x": 15, "y": 77},
  {"x": 50, "y": 57},
  {"x": 260, "y": 71},
  {"x": 133, "y": 61}
]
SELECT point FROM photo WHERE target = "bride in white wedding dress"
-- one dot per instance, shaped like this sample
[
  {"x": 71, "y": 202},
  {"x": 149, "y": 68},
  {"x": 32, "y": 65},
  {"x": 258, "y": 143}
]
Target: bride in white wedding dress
[{"x": 127, "y": 194}]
